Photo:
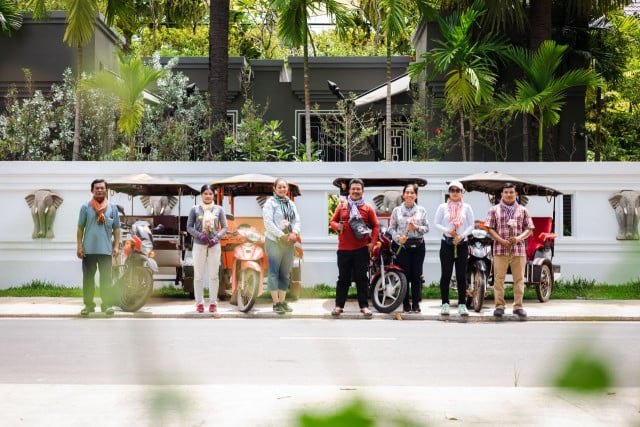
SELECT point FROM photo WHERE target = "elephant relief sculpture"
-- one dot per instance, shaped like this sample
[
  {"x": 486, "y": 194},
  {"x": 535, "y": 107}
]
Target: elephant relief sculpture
[
  {"x": 626, "y": 204},
  {"x": 158, "y": 205},
  {"x": 387, "y": 200},
  {"x": 43, "y": 204}
]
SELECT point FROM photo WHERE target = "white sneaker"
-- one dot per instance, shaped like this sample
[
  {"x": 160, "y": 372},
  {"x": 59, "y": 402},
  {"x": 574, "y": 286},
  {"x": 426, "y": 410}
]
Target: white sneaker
[
  {"x": 462, "y": 310},
  {"x": 444, "y": 311}
]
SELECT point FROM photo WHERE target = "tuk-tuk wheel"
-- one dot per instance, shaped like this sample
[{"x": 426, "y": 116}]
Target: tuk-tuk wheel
[{"x": 545, "y": 286}]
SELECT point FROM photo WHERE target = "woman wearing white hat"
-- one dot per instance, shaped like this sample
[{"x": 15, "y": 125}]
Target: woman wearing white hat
[{"x": 455, "y": 219}]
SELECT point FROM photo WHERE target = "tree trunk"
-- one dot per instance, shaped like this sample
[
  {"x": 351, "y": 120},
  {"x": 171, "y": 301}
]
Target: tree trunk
[
  {"x": 132, "y": 147},
  {"x": 525, "y": 137},
  {"x": 307, "y": 99},
  {"x": 387, "y": 130},
  {"x": 218, "y": 69},
  {"x": 539, "y": 23},
  {"x": 463, "y": 145},
  {"x": 596, "y": 139},
  {"x": 76, "y": 123},
  {"x": 540, "y": 139},
  {"x": 472, "y": 142}
]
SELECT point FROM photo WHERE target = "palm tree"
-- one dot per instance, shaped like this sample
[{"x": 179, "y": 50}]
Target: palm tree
[
  {"x": 468, "y": 64},
  {"x": 81, "y": 15},
  {"x": 392, "y": 20},
  {"x": 218, "y": 69},
  {"x": 541, "y": 93},
  {"x": 10, "y": 18},
  {"x": 293, "y": 28},
  {"x": 129, "y": 88},
  {"x": 535, "y": 16}
]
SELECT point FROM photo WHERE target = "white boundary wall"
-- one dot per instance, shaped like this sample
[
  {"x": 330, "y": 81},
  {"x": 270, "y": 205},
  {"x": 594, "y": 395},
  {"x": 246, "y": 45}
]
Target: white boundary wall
[{"x": 591, "y": 252}]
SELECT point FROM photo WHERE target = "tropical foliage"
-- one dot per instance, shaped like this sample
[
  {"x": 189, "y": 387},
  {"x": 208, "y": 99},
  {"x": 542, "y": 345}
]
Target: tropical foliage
[
  {"x": 182, "y": 128},
  {"x": 293, "y": 28},
  {"x": 468, "y": 64},
  {"x": 39, "y": 128},
  {"x": 10, "y": 18},
  {"x": 542, "y": 91},
  {"x": 129, "y": 87}
]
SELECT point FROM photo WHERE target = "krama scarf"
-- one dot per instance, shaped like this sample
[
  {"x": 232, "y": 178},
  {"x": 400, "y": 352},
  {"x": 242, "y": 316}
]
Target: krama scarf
[{"x": 100, "y": 209}]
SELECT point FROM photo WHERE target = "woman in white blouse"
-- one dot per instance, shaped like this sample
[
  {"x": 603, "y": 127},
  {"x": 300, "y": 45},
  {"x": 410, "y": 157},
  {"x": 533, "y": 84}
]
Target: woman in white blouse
[{"x": 455, "y": 220}]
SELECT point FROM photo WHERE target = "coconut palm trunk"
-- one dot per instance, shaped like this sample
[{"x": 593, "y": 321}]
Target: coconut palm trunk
[
  {"x": 387, "y": 131},
  {"x": 76, "y": 120},
  {"x": 218, "y": 70},
  {"x": 307, "y": 98}
]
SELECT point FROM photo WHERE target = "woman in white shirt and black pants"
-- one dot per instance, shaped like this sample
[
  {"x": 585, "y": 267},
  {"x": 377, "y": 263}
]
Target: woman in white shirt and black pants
[{"x": 455, "y": 220}]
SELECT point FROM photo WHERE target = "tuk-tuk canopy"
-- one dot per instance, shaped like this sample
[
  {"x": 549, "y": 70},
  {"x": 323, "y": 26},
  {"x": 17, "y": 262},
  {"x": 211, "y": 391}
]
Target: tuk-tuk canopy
[
  {"x": 252, "y": 184},
  {"x": 492, "y": 182},
  {"x": 147, "y": 185},
  {"x": 379, "y": 181}
]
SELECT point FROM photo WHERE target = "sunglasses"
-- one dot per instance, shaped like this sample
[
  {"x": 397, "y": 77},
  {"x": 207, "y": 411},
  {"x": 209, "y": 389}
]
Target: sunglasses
[{"x": 455, "y": 190}]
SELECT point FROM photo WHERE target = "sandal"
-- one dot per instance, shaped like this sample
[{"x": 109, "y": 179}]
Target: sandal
[
  {"x": 366, "y": 312},
  {"x": 337, "y": 311}
]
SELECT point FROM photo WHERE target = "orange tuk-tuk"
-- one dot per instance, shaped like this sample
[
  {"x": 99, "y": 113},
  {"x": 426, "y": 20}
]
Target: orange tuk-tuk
[{"x": 261, "y": 187}]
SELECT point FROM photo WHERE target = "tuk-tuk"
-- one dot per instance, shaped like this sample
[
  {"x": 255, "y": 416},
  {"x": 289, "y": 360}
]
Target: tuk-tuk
[
  {"x": 261, "y": 187},
  {"x": 540, "y": 270},
  {"x": 170, "y": 239}
]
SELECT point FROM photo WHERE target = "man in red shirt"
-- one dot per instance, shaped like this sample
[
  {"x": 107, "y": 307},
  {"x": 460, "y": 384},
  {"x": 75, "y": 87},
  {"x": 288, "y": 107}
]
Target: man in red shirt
[
  {"x": 509, "y": 225},
  {"x": 353, "y": 253}
]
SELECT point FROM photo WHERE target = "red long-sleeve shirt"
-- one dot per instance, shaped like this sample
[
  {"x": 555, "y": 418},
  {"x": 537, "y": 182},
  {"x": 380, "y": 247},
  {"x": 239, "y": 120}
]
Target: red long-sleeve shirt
[{"x": 347, "y": 240}]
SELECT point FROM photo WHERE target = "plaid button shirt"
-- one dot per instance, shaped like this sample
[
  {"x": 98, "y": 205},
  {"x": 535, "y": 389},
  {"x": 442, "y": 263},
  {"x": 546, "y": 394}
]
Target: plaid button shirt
[{"x": 497, "y": 219}]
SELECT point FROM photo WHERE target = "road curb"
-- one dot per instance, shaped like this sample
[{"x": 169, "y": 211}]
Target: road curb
[{"x": 327, "y": 316}]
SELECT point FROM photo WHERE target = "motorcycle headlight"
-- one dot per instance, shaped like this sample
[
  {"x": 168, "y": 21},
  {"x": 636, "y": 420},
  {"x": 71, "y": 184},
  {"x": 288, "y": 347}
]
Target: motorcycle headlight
[
  {"x": 479, "y": 233},
  {"x": 253, "y": 237},
  {"x": 146, "y": 247}
]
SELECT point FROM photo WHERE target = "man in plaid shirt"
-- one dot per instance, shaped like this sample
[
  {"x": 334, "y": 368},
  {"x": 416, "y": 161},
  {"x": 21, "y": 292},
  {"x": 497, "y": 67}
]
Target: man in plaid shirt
[{"x": 509, "y": 225}]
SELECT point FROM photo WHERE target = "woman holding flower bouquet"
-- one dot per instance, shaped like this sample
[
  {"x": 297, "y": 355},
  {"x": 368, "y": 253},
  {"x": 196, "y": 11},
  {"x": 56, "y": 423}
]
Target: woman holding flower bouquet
[
  {"x": 282, "y": 227},
  {"x": 509, "y": 225},
  {"x": 455, "y": 220},
  {"x": 207, "y": 223},
  {"x": 408, "y": 224}
]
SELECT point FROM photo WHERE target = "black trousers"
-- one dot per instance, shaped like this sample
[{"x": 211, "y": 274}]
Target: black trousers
[
  {"x": 353, "y": 264},
  {"x": 411, "y": 259},
  {"x": 447, "y": 263},
  {"x": 91, "y": 263}
]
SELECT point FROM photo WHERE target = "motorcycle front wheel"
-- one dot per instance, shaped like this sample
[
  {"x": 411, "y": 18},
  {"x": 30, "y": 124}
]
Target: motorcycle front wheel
[
  {"x": 479, "y": 286},
  {"x": 247, "y": 291},
  {"x": 388, "y": 296},
  {"x": 134, "y": 288}
]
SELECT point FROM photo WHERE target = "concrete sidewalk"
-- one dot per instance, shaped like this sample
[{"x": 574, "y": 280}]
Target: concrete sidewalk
[{"x": 554, "y": 310}]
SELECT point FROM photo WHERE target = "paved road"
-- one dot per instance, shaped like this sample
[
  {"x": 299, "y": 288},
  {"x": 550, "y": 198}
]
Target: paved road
[
  {"x": 319, "y": 352},
  {"x": 252, "y": 372}
]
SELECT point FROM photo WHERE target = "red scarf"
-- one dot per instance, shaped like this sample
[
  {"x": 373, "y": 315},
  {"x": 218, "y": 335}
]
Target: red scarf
[{"x": 100, "y": 208}]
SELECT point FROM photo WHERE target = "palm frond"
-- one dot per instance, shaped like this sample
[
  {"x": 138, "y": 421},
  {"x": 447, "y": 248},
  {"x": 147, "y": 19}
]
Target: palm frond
[
  {"x": 81, "y": 15},
  {"x": 10, "y": 18}
]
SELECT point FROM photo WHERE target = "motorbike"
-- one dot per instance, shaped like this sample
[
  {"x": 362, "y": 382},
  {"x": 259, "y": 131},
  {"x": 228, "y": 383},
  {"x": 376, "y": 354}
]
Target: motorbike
[
  {"x": 387, "y": 281},
  {"x": 244, "y": 262},
  {"x": 133, "y": 278},
  {"x": 478, "y": 267},
  {"x": 171, "y": 243},
  {"x": 247, "y": 272}
]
